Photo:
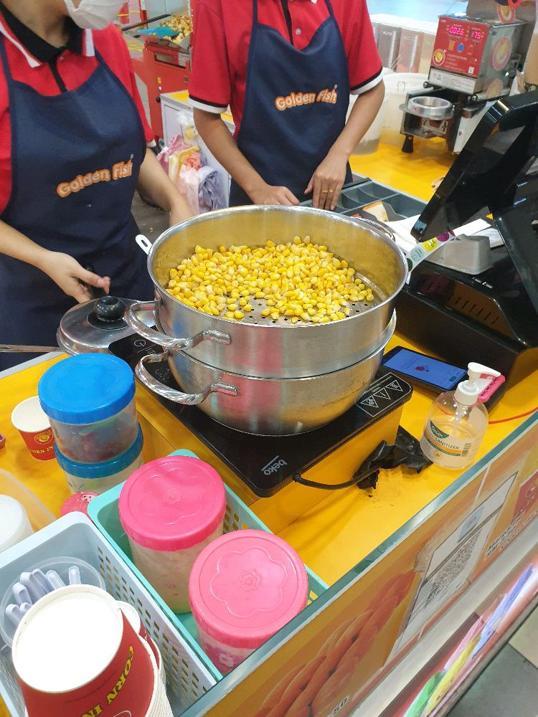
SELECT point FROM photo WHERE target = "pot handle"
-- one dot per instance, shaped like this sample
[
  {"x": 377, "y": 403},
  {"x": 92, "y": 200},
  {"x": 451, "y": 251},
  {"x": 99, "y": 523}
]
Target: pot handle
[
  {"x": 172, "y": 394},
  {"x": 168, "y": 342}
]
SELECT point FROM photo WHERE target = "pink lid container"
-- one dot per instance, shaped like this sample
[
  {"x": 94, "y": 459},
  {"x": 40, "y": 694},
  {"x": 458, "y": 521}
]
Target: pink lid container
[
  {"x": 172, "y": 503},
  {"x": 245, "y": 586},
  {"x": 78, "y": 502}
]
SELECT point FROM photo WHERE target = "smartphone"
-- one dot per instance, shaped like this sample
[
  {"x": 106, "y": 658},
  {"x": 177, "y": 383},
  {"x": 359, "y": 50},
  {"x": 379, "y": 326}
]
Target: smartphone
[{"x": 424, "y": 370}]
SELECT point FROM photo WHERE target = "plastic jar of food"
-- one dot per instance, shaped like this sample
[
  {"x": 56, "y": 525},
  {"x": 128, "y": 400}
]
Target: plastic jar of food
[
  {"x": 170, "y": 509},
  {"x": 98, "y": 477},
  {"x": 89, "y": 400},
  {"x": 243, "y": 588}
]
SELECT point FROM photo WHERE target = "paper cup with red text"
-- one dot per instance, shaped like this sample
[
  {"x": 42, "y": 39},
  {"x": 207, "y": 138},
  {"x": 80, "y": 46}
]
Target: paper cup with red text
[
  {"x": 76, "y": 655},
  {"x": 34, "y": 426}
]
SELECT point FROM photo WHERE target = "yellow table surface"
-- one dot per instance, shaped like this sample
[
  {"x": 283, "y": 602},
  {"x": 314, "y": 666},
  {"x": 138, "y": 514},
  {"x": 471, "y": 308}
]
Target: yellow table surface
[{"x": 333, "y": 538}]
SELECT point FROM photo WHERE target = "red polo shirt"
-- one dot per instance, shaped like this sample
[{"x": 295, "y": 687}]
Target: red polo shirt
[
  {"x": 222, "y": 38},
  {"x": 74, "y": 66}
]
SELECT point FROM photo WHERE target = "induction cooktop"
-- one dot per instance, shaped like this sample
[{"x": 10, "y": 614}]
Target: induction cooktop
[{"x": 265, "y": 463}]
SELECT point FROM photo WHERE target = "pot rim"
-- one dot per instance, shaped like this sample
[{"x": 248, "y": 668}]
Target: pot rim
[
  {"x": 387, "y": 237},
  {"x": 388, "y": 333}
]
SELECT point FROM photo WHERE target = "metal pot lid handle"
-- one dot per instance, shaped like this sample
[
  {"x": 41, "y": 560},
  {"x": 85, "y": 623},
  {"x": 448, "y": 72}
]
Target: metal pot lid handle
[
  {"x": 172, "y": 394},
  {"x": 168, "y": 342}
]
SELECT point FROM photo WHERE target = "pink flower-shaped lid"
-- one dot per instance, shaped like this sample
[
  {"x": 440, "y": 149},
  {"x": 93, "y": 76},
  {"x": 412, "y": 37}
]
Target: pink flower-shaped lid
[
  {"x": 172, "y": 503},
  {"x": 245, "y": 586}
]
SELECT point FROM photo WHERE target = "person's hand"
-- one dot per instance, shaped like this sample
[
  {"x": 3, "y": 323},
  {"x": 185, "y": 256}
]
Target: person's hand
[
  {"x": 266, "y": 194},
  {"x": 327, "y": 181},
  {"x": 71, "y": 277}
]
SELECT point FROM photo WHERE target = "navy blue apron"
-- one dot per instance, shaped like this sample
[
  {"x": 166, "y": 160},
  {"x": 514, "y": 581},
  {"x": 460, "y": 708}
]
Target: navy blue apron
[
  {"x": 295, "y": 105},
  {"x": 75, "y": 159}
]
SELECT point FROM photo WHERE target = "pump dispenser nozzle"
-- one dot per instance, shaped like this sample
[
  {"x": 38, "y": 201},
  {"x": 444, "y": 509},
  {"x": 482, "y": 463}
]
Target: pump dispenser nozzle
[{"x": 480, "y": 376}]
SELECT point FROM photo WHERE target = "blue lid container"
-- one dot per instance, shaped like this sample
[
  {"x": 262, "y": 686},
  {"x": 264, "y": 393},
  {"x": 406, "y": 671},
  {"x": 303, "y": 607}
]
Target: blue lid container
[
  {"x": 87, "y": 388},
  {"x": 105, "y": 469}
]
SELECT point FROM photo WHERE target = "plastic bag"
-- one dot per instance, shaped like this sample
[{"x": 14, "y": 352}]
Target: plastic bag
[
  {"x": 204, "y": 187},
  {"x": 186, "y": 128},
  {"x": 189, "y": 184},
  {"x": 212, "y": 193}
]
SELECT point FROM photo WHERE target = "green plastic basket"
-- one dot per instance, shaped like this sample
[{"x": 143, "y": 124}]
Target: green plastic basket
[{"x": 103, "y": 510}]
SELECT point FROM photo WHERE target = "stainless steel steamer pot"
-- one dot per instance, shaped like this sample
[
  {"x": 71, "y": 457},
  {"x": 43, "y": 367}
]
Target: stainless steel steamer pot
[
  {"x": 266, "y": 406},
  {"x": 259, "y": 347}
]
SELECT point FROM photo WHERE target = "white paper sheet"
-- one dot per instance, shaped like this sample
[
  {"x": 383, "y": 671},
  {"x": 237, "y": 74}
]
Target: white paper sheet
[{"x": 406, "y": 242}]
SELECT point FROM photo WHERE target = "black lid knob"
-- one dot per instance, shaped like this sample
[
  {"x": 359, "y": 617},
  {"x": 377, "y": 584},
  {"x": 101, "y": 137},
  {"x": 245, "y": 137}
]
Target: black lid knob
[{"x": 109, "y": 308}]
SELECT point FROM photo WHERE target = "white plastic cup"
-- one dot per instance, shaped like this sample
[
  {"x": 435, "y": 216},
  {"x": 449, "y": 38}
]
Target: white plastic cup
[
  {"x": 138, "y": 626},
  {"x": 14, "y": 522},
  {"x": 160, "y": 705}
]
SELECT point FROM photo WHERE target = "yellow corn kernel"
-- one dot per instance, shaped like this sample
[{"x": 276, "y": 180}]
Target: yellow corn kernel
[
  {"x": 229, "y": 315},
  {"x": 298, "y": 279},
  {"x": 239, "y": 315}
]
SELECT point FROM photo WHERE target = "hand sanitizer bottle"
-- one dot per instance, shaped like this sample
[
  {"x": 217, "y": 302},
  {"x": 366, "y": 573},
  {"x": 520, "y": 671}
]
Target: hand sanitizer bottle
[{"x": 457, "y": 422}]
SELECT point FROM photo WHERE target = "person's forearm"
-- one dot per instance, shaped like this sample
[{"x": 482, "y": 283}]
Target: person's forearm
[
  {"x": 18, "y": 246},
  {"x": 222, "y": 145},
  {"x": 361, "y": 117},
  {"x": 155, "y": 184}
]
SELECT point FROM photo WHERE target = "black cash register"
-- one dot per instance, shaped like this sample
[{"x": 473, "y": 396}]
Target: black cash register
[{"x": 491, "y": 316}]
